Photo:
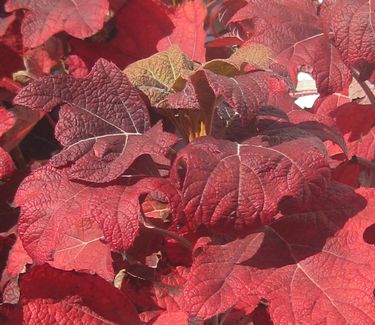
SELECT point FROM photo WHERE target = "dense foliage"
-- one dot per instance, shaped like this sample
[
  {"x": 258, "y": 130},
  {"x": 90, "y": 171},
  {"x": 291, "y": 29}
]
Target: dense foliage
[{"x": 155, "y": 168}]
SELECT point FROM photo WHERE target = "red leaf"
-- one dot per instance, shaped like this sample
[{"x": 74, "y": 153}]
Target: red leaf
[
  {"x": 120, "y": 215},
  {"x": 6, "y": 164},
  {"x": 357, "y": 124},
  {"x": 208, "y": 93},
  {"x": 312, "y": 267},
  {"x": 82, "y": 248},
  {"x": 76, "y": 67},
  {"x": 231, "y": 187},
  {"x": 102, "y": 126},
  {"x": 6, "y": 243},
  {"x": 50, "y": 296},
  {"x": 189, "y": 33},
  {"x": 328, "y": 70},
  {"x": 176, "y": 317},
  {"x": 18, "y": 258},
  {"x": 247, "y": 93},
  {"x": 321, "y": 126},
  {"x": 55, "y": 224},
  {"x": 7, "y": 121},
  {"x": 79, "y": 18},
  {"x": 16, "y": 264},
  {"x": 10, "y": 47},
  {"x": 137, "y": 27},
  {"x": 326, "y": 104},
  {"x": 357, "y": 172},
  {"x": 352, "y": 24},
  {"x": 5, "y": 22},
  {"x": 292, "y": 31}
]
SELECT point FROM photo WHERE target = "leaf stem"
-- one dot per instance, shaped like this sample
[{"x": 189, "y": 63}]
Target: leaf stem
[
  {"x": 184, "y": 242},
  {"x": 215, "y": 320},
  {"x": 225, "y": 315},
  {"x": 365, "y": 87}
]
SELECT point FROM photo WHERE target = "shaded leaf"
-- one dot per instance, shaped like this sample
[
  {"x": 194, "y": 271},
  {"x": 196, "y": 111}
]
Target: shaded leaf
[{"x": 53, "y": 296}]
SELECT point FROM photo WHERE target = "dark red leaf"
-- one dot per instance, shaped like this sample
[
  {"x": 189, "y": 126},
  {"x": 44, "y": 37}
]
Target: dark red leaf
[
  {"x": 297, "y": 269},
  {"x": 102, "y": 127},
  {"x": 235, "y": 188},
  {"x": 352, "y": 24},
  {"x": 292, "y": 31},
  {"x": 50, "y": 296}
]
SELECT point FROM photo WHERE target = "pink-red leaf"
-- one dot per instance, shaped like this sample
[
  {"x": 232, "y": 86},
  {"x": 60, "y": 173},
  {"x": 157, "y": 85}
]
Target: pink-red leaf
[
  {"x": 120, "y": 214},
  {"x": 79, "y": 18},
  {"x": 7, "y": 121},
  {"x": 176, "y": 317},
  {"x": 189, "y": 33},
  {"x": 102, "y": 127},
  {"x": 313, "y": 266},
  {"x": 5, "y": 22}
]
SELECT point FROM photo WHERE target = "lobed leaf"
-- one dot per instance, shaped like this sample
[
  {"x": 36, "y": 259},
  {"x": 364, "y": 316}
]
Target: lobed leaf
[
  {"x": 352, "y": 24},
  {"x": 156, "y": 75},
  {"x": 236, "y": 187},
  {"x": 79, "y": 18},
  {"x": 189, "y": 34},
  {"x": 105, "y": 125},
  {"x": 120, "y": 216},
  {"x": 56, "y": 226},
  {"x": 297, "y": 269}
]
